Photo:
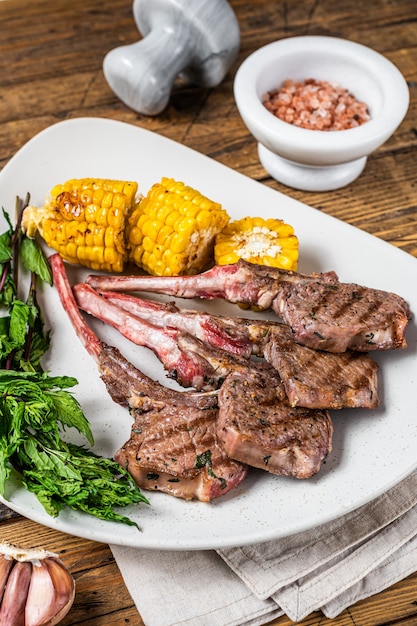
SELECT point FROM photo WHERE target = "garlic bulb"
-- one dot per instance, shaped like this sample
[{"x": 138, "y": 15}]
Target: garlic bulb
[{"x": 36, "y": 589}]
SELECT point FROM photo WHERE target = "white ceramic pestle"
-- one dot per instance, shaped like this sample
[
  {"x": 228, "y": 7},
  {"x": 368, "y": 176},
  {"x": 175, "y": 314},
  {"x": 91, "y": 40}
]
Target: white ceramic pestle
[{"x": 195, "y": 39}]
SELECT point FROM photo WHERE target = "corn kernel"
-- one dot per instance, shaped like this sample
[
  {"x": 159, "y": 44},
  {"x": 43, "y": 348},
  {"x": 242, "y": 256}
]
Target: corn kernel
[
  {"x": 59, "y": 234},
  {"x": 90, "y": 212},
  {"x": 163, "y": 213},
  {"x": 136, "y": 237},
  {"x": 81, "y": 254},
  {"x": 163, "y": 235},
  {"x": 98, "y": 236},
  {"x": 136, "y": 256},
  {"x": 79, "y": 234},
  {"x": 157, "y": 252},
  {"x": 114, "y": 216},
  {"x": 119, "y": 201},
  {"x": 148, "y": 244},
  {"x": 172, "y": 218},
  {"x": 97, "y": 197},
  {"x": 151, "y": 228},
  {"x": 71, "y": 250},
  {"x": 159, "y": 267},
  {"x": 186, "y": 227},
  {"x": 109, "y": 239},
  {"x": 146, "y": 256}
]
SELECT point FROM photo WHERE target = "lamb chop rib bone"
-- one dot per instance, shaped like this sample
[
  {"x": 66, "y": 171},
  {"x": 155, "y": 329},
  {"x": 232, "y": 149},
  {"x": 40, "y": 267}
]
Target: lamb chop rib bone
[
  {"x": 173, "y": 446},
  {"x": 312, "y": 379},
  {"x": 187, "y": 359},
  {"x": 322, "y": 312}
]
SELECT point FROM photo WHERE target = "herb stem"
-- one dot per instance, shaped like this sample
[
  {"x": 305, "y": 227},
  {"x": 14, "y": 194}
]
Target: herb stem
[
  {"x": 29, "y": 335},
  {"x": 15, "y": 239}
]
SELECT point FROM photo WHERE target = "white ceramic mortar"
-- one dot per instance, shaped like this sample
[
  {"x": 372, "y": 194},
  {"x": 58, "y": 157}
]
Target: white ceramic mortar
[{"x": 316, "y": 160}]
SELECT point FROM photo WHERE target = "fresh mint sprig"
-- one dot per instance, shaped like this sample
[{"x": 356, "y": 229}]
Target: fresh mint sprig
[{"x": 36, "y": 408}]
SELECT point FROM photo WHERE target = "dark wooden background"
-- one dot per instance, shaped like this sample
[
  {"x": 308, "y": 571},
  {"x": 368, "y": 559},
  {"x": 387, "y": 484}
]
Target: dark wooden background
[{"x": 51, "y": 54}]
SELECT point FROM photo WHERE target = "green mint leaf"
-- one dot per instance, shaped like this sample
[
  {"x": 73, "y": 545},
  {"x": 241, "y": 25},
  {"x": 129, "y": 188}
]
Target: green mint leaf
[
  {"x": 203, "y": 459},
  {"x": 34, "y": 260},
  {"x": 70, "y": 413},
  {"x": 8, "y": 292},
  {"x": 78, "y": 478},
  {"x": 8, "y": 220},
  {"x": 5, "y": 249},
  {"x": 4, "y": 326},
  {"x": 4, "y": 464},
  {"x": 6, "y": 345},
  {"x": 51, "y": 505},
  {"x": 11, "y": 381},
  {"x": 21, "y": 314}
]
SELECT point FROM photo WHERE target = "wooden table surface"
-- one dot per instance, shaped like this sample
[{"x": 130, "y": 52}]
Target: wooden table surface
[{"x": 51, "y": 54}]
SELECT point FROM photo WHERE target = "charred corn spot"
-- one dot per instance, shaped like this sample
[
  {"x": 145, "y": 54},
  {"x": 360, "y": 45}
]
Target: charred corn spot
[
  {"x": 85, "y": 221},
  {"x": 172, "y": 230},
  {"x": 257, "y": 240}
]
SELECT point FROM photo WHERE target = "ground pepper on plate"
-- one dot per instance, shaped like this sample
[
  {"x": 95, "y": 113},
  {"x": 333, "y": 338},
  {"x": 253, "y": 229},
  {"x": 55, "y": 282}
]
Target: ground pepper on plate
[{"x": 316, "y": 105}]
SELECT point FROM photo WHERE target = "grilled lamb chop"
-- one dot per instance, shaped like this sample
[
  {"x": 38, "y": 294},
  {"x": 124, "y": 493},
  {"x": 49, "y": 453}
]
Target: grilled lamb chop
[
  {"x": 312, "y": 379},
  {"x": 176, "y": 450},
  {"x": 322, "y": 312},
  {"x": 258, "y": 428},
  {"x": 173, "y": 447},
  {"x": 319, "y": 379}
]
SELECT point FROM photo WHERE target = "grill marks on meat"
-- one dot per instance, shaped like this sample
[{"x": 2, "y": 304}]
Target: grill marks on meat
[
  {"x": 322, "y": 312},
  {"x": 343, "y": 316},
  {"x": 257, "y": 426},
  {"x": 183, "y": 446},
  {"x": 318, "y": 379},
  {"x": 178, "y": 452},
  {"x": 173, "y": 446},
  {"x": 312, "y": 379},
  {"x": 161, "y": 416},
  {"x": 129, "y": 387}
]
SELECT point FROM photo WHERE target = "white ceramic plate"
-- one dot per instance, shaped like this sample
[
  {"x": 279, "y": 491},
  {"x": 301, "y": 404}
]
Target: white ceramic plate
[{"x": 373, "y": 450}]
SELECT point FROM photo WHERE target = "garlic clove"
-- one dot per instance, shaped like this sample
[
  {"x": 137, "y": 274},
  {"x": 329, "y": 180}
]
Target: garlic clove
[
  {"x": 38, "y": 589},
  {"x": 41, "y": 596},
  {"x": 6, "y": 565},
  {"x": 64, "y": 588},
  {"x": 12, "y": 611}
]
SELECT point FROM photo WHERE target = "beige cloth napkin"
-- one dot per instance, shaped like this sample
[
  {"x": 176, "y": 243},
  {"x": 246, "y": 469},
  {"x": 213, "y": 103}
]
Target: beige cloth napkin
[{"x": 329, "y": 568}]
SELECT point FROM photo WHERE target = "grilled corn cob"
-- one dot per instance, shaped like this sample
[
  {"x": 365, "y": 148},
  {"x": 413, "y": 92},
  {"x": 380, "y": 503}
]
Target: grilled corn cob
[
  {"x": 257, "y": 240},
  {"x": 172, "y": 230},
  {"x": 85, "y": 221}
]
